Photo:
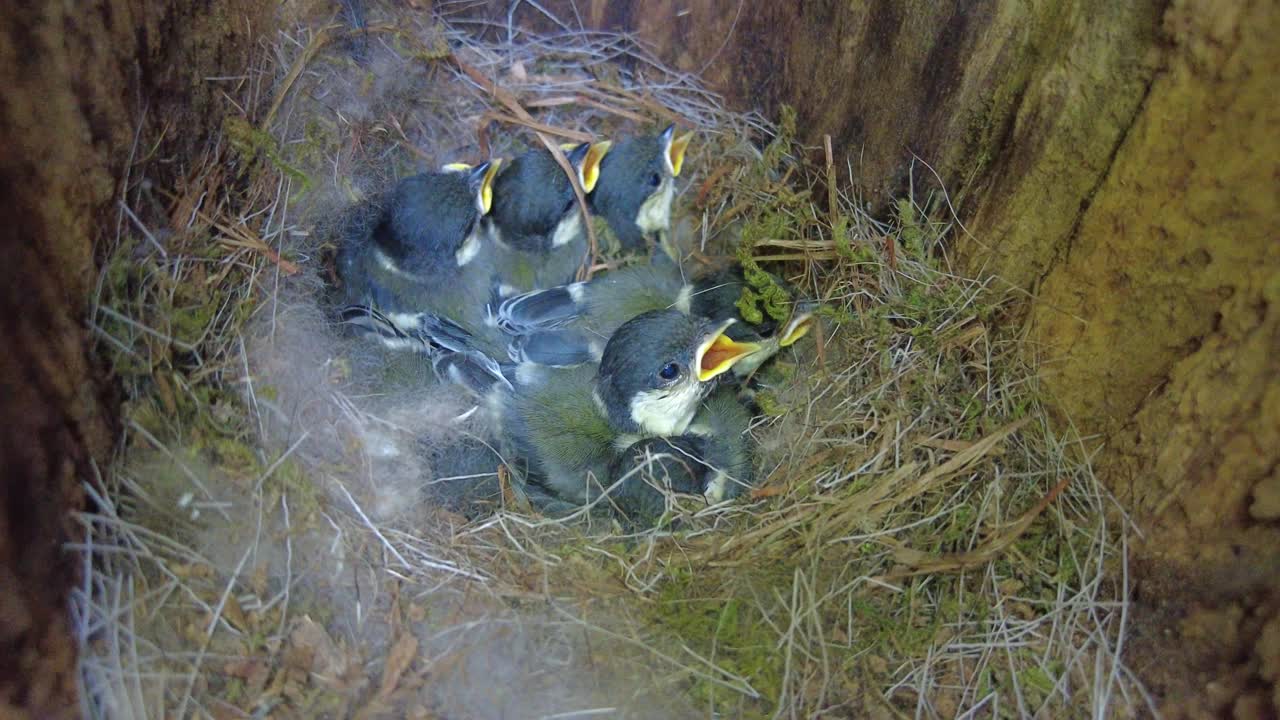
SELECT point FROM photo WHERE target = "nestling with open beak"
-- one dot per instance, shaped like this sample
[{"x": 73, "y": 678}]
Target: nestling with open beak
[
  {"x": 651, "y": 380},
  {"x": 568, "y": 325},
  {"x": 637, "y": 184},
  {"x": 536, "y": 223}
]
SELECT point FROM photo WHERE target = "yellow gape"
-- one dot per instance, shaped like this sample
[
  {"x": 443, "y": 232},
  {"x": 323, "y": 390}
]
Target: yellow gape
[
  {"x": 797, "y": 328},
  {"x": 486, "y": 186},
  {"x": 718, "y": 353},
  {"x": 589, "y": 173},
  {"x": 675, "y": 153}
]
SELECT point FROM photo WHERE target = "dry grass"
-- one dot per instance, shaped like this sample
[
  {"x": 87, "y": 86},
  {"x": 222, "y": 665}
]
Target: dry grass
[{"x": 922, "y": 542}]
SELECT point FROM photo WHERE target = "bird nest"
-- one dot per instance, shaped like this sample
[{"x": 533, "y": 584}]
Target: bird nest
[{"x": 921, "y": 540}]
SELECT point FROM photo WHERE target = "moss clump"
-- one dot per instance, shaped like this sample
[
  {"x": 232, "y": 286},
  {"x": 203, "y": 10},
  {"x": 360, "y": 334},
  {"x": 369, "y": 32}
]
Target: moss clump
[
  {"x": 255, "y": 145},
  {"x": 761, "y": 296},
  {"x": 742, "y": 640}
]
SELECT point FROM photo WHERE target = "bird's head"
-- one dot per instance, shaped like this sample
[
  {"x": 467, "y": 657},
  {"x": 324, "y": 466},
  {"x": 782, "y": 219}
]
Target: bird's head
[
  {"x": 637, "y": 185},
  {"x": 657, "y": 367}
]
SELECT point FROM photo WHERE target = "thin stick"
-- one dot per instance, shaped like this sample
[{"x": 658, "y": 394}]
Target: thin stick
[{"x": 319, "y": 40}]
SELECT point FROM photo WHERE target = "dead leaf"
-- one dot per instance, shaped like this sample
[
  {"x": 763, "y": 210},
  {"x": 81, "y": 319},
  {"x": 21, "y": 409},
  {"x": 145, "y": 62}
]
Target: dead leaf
[
  {"x": 326, "y": 660},
  {"x": 768, "y": 491},
  {"x": 235, "y": 614},
  {"x": 398, "y": 661}
]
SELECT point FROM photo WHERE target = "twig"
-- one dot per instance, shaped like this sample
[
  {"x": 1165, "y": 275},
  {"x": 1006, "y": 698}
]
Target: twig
[
  {"x": 319, "y": 40},
  {"x": 508, "y": 99},
  {"x": 924, "y": 563},
  {"x": 536, "y": 126}
]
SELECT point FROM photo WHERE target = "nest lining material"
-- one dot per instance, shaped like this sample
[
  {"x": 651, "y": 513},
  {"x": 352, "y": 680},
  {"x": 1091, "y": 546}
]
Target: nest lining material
[{"x": 921, "y": 541}]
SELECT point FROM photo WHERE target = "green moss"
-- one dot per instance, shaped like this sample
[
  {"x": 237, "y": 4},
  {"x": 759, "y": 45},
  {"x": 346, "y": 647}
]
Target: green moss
[
  {"x": 255, "y": 144},
  {"x": 727, "y": 628},
  {"x": 913, "y": 234},
  {"x": 235, "y": 455},
  {"x": 290, "y": 479},
  {"x": 780, "y": 147},
  {"x": 436, "y": 47},
  {"x": 769, "y": 405}
]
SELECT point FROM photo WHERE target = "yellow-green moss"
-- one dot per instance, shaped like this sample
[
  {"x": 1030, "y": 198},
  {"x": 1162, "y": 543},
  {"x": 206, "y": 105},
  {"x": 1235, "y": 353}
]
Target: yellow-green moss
[{"x": 255, "y": 144}]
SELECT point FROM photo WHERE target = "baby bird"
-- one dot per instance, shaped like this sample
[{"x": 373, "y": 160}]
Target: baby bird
[
  {"x": 568, "y": 325},
  {"x": 637, "y": 184},
  {"x": 652, "y": 377},
  {"x": 421, "y": 278},
  {"x": 536, "y": 224},
  {"x": 712, "y": 459}
]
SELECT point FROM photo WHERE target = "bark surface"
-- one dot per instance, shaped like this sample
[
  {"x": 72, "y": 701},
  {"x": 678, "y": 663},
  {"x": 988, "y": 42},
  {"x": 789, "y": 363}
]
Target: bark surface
[{"x": 80, "y": 84}]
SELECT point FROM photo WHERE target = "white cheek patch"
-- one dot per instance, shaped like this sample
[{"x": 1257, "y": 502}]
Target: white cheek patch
[
  {"x": 667, "y": 411},
  {"x": 655, "y": 213},
  {"x": 567, "y": 229},
  {"x": 469, "y": 250}
]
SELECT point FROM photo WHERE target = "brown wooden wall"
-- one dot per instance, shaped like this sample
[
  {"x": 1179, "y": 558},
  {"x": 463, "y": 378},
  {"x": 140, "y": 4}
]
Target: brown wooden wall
[{"x": 76, "y": 81}]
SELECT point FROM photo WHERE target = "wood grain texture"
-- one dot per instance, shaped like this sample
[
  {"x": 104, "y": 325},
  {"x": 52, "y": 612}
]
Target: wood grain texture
[{"x": 76, "y": 83}]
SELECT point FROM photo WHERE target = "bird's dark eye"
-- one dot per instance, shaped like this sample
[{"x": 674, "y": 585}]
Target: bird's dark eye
[
  {"x": 655, "y": 180},
  {"x": 669, "y": 371}
]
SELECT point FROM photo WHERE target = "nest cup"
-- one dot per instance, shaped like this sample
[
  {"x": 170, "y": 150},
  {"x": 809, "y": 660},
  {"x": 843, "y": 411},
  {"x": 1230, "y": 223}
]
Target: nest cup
[{"x": 918, "y": 540}]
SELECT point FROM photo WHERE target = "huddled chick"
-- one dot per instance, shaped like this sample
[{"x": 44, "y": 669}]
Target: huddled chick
[{"x": 537, "y": 229}]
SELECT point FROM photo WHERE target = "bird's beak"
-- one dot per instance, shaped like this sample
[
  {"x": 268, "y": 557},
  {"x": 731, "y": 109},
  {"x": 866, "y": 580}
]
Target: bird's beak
[
  {"x": 799, "y": 326},
  {"x": 486, "y": 186},
  {"x": 589, "y": 172},
  {"x": 718, "y": 353},
  {"x": 675, "y": 153}
]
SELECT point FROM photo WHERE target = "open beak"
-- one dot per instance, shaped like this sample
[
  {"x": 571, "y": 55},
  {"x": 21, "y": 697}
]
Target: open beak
[
  {"x": 718, "y": 353},
  {"x": 675, "y": 154},
  {"x": 486, "y": 187},
  {"x": 799, "y": 326},
  {"x": 589, "y": 172}
]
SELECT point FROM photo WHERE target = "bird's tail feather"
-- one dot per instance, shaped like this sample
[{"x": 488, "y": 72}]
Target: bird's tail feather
[
  {"x": 472, "y": 369},
  {"x": 541, "y": 309},
  {"x": 555, "y": 348},
  {"x": 451, "y": 348},
  {"x": 378, "y": 327}
]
